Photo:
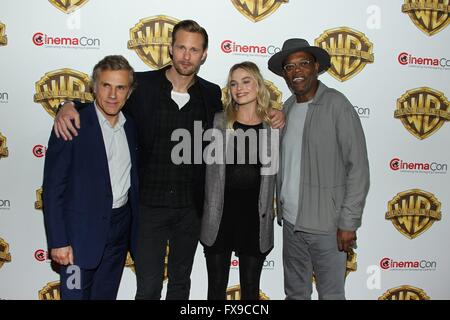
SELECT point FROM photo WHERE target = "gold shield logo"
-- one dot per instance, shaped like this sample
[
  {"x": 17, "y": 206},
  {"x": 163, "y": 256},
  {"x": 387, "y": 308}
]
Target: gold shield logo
[
  {"x": 422, "y": 111},
  {"x": 352, "y": 265},
  {"x": 3, "y": 37},
  {"x": 234, "y": 293},
  {"x": 151, "y": 38},
  {"x": 50, "y": 291},
  {"x": 430, "y": 16},
  {"x": 350, "y": 51},
  {"x": 5, "y": 256},
  {"x": 60, "y": 85},
  {"x": 404, "y": 293},
  {"x": 68, "y": 6},
  {"x": 38, "y": 202},
  {"x": 413, "y": 212},
  {"x": 256, "y": 10},
  {"x": 276, "y": 96},
  {"x": 3, "y": 148}
]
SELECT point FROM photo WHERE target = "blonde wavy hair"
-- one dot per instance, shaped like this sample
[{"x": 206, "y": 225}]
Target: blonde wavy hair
[{"x": 262, "y": 95}]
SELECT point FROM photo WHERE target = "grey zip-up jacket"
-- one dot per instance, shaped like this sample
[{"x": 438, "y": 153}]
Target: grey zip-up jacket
[
  {"x": 334, "y": 173},
  {"x": 215, "y": 188}
]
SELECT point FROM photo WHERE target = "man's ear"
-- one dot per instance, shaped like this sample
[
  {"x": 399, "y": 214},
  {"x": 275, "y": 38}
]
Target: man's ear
[{"x": 204, "y": 56}]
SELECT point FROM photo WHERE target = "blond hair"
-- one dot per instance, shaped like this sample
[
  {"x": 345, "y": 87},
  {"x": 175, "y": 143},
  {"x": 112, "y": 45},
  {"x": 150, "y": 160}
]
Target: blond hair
[{"x": 262, "y": 95}]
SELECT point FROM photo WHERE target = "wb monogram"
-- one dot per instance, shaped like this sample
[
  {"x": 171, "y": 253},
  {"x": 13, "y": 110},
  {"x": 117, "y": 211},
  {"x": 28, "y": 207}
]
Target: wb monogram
[
  {"x": 61, "y": 85},
  {"x": 413, "y": 212},
  {"x": 423, "y": 111},
  {"x": 350, "y": 51},
  {"x": 3, "y": 37},
  {"x": 68, "y": 6},
  {"x": 257, "y": 10},
  {"x": 404, "y": 293},
  {"x": 151, "y": 38},
  {"x": 430, "y": 16}
]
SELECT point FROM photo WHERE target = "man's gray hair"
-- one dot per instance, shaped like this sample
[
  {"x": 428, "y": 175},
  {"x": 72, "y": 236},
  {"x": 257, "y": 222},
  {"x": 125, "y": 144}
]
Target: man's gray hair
[{"x": 114, "y": 63}]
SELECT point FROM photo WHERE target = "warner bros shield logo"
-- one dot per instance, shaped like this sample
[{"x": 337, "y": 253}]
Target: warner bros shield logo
[
  {"x": 68, "y": 6},
  {"x": 51, "y": 291},
  {"x": 5, "y": 256},
  {"x": 422, "y": 111},
  {"x": 430, "y": 16},
  {"x": 234, "y": 293},
  {"x": 276, "y": 96},
  {"x": 3, "y": 37},
  {"x": 413, "y": 212},
  {"x": 61, "y": 85},
  {"x": 150, "y": 38},
  {"x": 38, "y": 202},
  {"x": 3, "y": 147},
  {"x": 350, "y": 51},
  {"x": 404, "y": 293},
  {"x": 257, "y": 10}
]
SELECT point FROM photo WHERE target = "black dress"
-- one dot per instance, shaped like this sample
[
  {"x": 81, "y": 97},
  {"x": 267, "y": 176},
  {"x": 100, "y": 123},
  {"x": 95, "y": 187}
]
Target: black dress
[{"x": 239, "y": 227}]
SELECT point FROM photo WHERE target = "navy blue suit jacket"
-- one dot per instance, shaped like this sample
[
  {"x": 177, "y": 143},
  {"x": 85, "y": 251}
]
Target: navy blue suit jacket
[{"x": 77, "y": 194}]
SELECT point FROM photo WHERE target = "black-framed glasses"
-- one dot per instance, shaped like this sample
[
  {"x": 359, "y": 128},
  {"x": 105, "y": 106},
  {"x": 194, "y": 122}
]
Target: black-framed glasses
[{"x": 302, "y": 64}]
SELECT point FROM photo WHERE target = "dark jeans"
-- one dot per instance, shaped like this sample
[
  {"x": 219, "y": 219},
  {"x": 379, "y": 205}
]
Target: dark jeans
[
  {"x": 218, "y": 265},
  {"x": 180, "y": 228}
]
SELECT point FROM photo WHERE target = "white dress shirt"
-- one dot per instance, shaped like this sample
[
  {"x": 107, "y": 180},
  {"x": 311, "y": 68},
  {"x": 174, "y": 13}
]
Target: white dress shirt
[{"x": 118, "y": 154}]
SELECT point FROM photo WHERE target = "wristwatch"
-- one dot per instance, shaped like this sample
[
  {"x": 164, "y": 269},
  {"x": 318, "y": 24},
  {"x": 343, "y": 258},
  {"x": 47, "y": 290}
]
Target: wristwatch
[{"x": 63, "y": 103}]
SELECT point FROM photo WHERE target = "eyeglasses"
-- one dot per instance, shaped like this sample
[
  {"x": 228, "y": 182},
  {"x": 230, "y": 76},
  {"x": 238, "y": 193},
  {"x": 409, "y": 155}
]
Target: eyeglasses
[{"x": 302, "y": 64}]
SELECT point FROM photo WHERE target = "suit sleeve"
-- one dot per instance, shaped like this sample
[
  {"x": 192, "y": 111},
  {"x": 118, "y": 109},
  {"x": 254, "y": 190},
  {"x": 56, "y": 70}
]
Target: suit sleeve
[
  {"x": 354, "y": 151},
  {"x": 56, "y": 175},
  {"x": 218, "y": 96}
]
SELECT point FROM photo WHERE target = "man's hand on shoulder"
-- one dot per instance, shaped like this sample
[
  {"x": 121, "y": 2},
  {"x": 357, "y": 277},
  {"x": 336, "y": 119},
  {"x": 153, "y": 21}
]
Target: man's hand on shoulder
[
  {"x": 63, "y": 126},
  {"x": 277, "y": 118}
]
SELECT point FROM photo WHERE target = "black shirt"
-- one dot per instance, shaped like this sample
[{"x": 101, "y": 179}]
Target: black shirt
[
  {"x": 239, "y": 227},
  {"x": 171, "y": 185}
]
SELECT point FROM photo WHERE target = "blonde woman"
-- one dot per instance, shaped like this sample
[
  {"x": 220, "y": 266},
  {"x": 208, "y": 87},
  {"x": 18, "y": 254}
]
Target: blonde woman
[{"x": 238, "y": 211}]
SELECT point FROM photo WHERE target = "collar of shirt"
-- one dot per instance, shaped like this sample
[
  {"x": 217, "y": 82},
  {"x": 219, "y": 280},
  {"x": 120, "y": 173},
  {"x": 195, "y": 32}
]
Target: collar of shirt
[
  {"x": 167, "y": 85},
  {"x": 104, "y": 122}
]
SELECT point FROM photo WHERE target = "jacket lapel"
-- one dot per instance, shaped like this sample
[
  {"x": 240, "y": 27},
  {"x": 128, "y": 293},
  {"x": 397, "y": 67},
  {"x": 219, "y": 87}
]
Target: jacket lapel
[{"x": 132, "y": 147}]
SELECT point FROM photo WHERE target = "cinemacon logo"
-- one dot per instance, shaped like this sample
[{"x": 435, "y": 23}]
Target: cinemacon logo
[
  {"x": 39, "y": 151},
  {"x": 422, "y": 265},
  {"x": 41, "y": 255},
  {"x": 397, "y": 164},
  {"x": 268, "y": 264},
  {"x": 229, "y": 46},
  {"x": 41, "y": 39},
  {"x": 406, "y": 58}
]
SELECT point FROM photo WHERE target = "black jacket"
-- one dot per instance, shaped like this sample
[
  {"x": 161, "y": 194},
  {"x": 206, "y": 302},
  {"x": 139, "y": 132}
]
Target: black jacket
[{"x": 143, "y": 106}]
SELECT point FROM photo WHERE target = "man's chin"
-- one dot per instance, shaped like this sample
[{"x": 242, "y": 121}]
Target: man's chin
[{"x": 185, "y": 72}]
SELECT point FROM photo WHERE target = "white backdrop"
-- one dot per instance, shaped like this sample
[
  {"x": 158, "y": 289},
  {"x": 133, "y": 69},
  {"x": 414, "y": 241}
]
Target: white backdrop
[{"x": 405, "y": 57}]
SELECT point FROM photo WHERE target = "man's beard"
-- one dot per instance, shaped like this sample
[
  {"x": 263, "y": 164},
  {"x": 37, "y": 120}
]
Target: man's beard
[{"x": 185, "y": 72}]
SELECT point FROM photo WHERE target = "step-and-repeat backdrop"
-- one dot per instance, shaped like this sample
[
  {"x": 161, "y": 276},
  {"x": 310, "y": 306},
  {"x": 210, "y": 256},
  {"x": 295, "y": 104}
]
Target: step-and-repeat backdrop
[{"x": 390, "y": 58}]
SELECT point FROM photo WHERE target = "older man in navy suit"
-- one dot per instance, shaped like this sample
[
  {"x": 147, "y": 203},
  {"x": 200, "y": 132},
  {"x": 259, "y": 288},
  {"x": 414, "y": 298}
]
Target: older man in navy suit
[{"x": 91, "y": 190}]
